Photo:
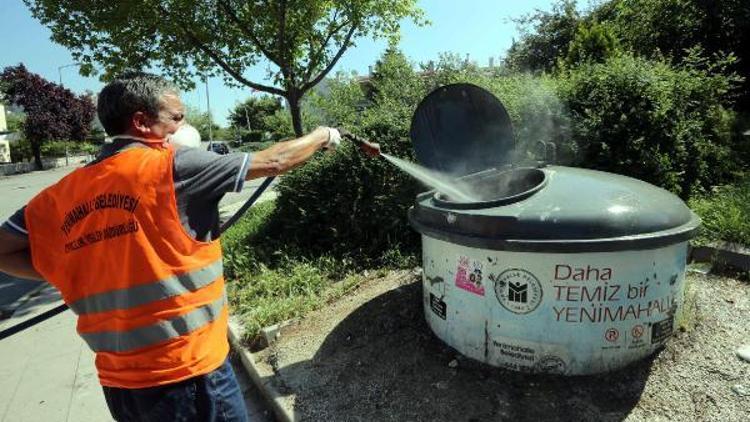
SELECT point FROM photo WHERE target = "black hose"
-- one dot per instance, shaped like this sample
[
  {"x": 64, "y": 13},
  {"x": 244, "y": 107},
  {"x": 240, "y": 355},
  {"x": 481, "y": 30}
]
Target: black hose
[
  {"x": 58, "y": 309},
  {"x": 250, "y": 201},
  {"x": 32, "y": 321}
]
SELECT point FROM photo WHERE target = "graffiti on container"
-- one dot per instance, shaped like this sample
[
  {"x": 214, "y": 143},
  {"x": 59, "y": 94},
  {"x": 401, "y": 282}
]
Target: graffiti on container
[
  {"x": 469, "y": 275},
  {"x": 518, "y": 291}
]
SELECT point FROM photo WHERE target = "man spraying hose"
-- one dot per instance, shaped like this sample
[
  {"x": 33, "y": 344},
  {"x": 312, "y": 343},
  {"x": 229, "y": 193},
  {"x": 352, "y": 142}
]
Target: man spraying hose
[{"x": 131, "y": 242}]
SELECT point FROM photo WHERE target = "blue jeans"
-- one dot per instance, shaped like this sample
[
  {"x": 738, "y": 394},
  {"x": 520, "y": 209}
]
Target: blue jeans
[{"x": 213, "y": 397}]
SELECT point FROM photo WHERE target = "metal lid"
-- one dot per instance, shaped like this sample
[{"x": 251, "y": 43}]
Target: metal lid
[
  {"x": 461, "y": 129},
  {"x": 573, "y": 210}
]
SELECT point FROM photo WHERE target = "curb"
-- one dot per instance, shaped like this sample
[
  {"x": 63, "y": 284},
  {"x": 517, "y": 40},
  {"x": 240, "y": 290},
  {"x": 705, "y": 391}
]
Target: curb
[
  {"x": 272, "y": 396},
  {"x": 724, "y": 253}
]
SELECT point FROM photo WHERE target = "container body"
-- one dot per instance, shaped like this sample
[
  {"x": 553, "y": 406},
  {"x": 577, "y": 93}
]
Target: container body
[{"x": 561, "y": 313}]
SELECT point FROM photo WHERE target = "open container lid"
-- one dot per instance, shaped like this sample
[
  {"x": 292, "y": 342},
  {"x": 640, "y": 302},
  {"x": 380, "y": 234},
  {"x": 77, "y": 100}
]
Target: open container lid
[
  {"x": 461, "y": 129},
  {"x": 465, "y": 131}
]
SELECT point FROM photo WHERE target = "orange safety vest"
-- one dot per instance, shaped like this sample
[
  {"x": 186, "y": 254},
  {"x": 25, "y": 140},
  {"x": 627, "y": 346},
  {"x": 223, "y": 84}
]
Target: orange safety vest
[{"x": 150, "y": 299}]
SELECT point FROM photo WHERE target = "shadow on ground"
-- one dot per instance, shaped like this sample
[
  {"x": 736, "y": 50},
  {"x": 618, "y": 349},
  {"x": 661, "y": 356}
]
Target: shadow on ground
[{"x": 382, "y": 363}]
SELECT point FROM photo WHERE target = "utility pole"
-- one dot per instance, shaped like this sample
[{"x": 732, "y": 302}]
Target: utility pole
[{"x": 208, "y": 108}]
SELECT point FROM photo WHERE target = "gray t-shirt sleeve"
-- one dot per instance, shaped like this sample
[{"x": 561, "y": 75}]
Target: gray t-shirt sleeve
[
  {"x": 201, "y": 178},
  {"x": 16, "y": 223},
  {"x": 205, "y": 174}
]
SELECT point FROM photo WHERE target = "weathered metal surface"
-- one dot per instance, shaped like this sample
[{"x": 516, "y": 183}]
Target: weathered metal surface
[{"x": 561, "y": 313}]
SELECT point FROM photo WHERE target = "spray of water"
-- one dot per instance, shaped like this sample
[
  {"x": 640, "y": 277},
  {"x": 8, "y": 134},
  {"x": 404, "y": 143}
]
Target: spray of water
[{"x": 442, "y": 183}]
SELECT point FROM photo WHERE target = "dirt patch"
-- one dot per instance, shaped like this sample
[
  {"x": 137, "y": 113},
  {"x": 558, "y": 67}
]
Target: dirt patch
[{"x": 371, "y": 357}]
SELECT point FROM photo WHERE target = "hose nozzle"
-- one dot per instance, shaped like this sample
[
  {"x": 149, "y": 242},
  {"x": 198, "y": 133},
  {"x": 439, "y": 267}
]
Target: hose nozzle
[{"x": 370, "y": 148}]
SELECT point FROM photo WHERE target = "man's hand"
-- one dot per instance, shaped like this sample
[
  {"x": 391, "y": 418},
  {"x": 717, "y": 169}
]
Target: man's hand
[{"x": 334, "y": 139}]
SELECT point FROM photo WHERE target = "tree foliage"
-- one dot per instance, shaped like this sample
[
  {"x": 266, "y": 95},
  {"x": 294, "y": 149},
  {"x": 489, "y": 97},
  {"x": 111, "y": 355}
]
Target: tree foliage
[
  {"x": 298, "y": 42},
  {"x": 253, "y": 113},
  {"x": 672, "y": 28},
  {"x": 201, "y": 121},
  {"x": 545, "y": 37},
  {"x": 360, "y": 205},
  {"x": 52, "y": 112},
  {"x": 593, "y": 42},
  {"x": 653, "y": 29},
  {"x": 646, "y": 119}
]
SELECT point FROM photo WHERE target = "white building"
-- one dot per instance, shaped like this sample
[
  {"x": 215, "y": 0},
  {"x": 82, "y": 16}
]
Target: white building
[{"x": 5, "y": 137}]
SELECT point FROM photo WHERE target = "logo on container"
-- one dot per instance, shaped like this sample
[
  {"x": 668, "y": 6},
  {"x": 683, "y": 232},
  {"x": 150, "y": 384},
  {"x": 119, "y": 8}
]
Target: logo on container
[{"x": 518, "y": 291}]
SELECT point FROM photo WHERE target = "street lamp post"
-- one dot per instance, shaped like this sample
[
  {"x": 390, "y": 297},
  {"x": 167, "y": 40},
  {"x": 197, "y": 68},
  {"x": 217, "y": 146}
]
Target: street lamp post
[
  {"x": 60, "y": 68},
  {"x": 59, "y": 74}
]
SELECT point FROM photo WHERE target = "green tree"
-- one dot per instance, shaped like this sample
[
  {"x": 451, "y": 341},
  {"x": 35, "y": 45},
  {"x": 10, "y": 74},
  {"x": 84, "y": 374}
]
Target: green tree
[
  {"x": 671, "y": 28},
  {"x": 200, "y": 120},
  {"x": 594, "y": 42},
  {"x": 548, "y": 39},
  {"x": 52, "y": 112},
  {"x": 253, "y": 113},
  {"x": 15, "y": 121},
  {"x": 299, "y": 42}
]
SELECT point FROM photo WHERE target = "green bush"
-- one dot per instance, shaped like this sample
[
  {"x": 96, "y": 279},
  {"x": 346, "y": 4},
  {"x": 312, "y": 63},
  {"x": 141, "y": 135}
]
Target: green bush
[
  {"x": 58, "y": 148},
  {"x": 725, "y": 213},
  {"x": 20, "y": 150},
  {"x": 645, "y": 119}
]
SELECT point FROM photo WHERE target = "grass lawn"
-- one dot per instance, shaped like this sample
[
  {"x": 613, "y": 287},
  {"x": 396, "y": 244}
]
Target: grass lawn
[
  {"x": 269, "y": 282},
  {"x": 725, "y": 213}
]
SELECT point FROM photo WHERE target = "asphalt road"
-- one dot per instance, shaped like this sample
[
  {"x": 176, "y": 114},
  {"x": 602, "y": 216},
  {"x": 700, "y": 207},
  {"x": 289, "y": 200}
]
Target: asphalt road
[{"x": 17, "y": 190}]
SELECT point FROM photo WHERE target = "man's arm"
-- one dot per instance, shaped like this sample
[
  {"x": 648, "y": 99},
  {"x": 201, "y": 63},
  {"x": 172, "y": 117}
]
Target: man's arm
[
  {"x": 15, "y": 256},
  {"x": 284, "y": 156}
]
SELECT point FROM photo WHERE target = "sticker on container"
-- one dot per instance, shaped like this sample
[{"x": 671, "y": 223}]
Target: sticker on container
[
  {"x": 661, "y": 330},
  {"x": 636, "y": 337},
  {"x": 551, "y": 364},
  {"x": 437, "y": 306},
  {"x": 526, "y": 356},
  {"x": 469, "y": 275},
  {"x": 518, "y": 291}
]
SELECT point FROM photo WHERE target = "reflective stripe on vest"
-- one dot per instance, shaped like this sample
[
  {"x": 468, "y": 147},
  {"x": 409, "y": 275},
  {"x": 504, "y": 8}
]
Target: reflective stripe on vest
[
  {"x": 123, "y": 341},
  {"x": 150, "y": 292}
]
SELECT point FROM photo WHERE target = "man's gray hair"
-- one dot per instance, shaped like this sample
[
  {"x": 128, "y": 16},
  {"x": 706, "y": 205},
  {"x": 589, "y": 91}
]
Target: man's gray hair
[{"x": 128, "y": 94}]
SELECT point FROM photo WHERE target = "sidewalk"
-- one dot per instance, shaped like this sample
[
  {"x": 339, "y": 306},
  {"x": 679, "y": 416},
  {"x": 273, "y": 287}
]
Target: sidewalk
[{"x": 47, "y": 372}]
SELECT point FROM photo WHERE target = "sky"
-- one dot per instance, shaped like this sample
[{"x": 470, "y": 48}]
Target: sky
[{"x": 480, "y": 28}]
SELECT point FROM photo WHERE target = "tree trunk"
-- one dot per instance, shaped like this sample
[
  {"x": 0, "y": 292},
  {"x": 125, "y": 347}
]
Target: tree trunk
[
  {"x": 37, "y": 151},
  {"x": 296, "y": 114}
]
